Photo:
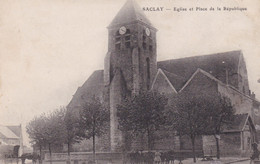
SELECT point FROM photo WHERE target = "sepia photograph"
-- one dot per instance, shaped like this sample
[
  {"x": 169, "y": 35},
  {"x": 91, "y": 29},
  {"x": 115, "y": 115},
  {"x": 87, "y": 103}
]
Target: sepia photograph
[{"x": 129, "y": 82}]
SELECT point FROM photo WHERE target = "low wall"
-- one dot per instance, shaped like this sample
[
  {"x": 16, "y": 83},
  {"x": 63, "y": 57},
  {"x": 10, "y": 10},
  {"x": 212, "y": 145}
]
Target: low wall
[{"x": 102, "y": 157}]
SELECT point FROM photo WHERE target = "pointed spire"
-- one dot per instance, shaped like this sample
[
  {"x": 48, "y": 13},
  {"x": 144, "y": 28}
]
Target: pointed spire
[{"x": 130, "y": 12}]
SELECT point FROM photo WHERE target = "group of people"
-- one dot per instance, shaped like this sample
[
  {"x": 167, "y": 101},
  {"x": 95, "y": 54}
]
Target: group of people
[
  {"x": 151, "y": 157},
  {"x": 255, "y": 155}
]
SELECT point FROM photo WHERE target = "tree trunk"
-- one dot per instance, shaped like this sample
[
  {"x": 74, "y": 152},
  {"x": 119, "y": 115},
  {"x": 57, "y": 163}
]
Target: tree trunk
[
  {"x": 193, "y": 148},
  {"x": 149, "y": 140},
  {"x": 40, "y": 160},
  {"x": 50, "y": 153},
  {"x": 217, "y": 145},
  {"x": 125, "y": 146},
  {"x": 94, "y": 145},
  {"x": 68, "y": 144}
]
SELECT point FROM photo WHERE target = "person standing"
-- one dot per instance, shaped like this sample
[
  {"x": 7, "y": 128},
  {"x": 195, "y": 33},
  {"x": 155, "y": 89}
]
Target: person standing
[
  {"x": 157, "y": 157},
  {"x": 255, "y": 154}
]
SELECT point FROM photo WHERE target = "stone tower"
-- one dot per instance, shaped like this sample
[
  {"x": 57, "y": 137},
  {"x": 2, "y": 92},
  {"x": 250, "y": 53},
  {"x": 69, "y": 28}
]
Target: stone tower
[{"x": 130, "y": 63}]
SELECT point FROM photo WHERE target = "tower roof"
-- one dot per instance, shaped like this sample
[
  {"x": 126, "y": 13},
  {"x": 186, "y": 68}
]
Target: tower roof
[{"x": 128, "y": 13}]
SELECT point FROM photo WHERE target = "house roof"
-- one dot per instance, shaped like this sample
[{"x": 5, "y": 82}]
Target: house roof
[
  {"x": 130, "y": 12},
  {"x": 92, "y": 87},
  {"x": 179, "y": 71},
  {"x": 200, "y": 72},
  {"x": 175, "y": 80},
  {"x": 165, "y": 78},
  {"x": 237, "y": 124},
  {"x": 13, "y": 132}
]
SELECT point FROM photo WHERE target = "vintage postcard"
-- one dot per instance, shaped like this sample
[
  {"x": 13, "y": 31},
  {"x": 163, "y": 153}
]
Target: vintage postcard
[{"x": 196, "y": 54}]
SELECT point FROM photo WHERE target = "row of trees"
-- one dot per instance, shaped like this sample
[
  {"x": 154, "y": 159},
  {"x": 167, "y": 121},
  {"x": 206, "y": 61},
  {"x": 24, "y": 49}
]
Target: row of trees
[
  {"x": 65, "y": 126},
  {"x": 146, "y": 113},
  {"x": 187, "y": 114}
]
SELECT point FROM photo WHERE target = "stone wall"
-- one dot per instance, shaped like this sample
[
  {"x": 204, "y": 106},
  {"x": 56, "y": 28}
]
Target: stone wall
[
  {"x": 246, "y": 143},
  {"x": 243, "y": 77},
  {"x": 185, "y": 143},
  {"x": 163, "y": 140},
  {"x": 166, "y": 140},
  {"x": 229, "y": 144},
  {"x": 241, "y": 102}
]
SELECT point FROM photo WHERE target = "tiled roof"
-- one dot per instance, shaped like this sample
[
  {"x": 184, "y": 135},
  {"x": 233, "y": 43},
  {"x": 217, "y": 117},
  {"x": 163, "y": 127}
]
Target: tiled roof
[
  {"x": 15, "y": 129},
  {"x": 179, "y": 71},
  {"x": 10, "y": 132},
  {"x": 92, "y": 87},
  {"x": 237, "y": 124},
  {"x": 175, "y": 80},
  {"x": 130, "y": 12}
]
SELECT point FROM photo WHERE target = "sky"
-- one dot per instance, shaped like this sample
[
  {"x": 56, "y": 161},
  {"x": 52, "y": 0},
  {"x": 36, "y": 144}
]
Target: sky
[{"x": 48, "y": 48}]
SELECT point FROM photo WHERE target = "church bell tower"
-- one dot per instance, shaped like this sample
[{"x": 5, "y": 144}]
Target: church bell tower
[{"x": 130, "y": 63}]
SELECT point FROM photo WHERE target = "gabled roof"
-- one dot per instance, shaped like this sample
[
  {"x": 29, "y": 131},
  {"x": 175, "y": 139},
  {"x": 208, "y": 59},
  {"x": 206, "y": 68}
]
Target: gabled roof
[
  {"x": 200, "y": 71},
  {"x": 130, "y": 12},
  {"x": 180, "y": 70},
  {"x": 92, "y": 87},
  {"x": 175, "y": 80},
  {"x": 10, "y": 132},
  {"x": 165, "y": 77},
  {"x": 15, "y": 129},
  {"x": 238, "y": 123}
]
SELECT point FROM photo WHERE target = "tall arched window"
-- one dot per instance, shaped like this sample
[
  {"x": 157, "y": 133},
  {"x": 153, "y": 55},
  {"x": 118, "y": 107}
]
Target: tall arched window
[{"x": 148, "y": 72}]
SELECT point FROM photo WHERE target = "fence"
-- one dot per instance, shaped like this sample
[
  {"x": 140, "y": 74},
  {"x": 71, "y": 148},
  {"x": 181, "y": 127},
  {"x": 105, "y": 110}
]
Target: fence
[{"x": 119, "y": 158}]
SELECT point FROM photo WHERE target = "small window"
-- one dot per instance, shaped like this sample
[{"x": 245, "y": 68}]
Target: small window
[
  {"x": 150, "y": 48},
  {"x": 118, "y": 46},
  {"x": 150, "y": 41},
  {"x": 144, "y": 38},
  {"x": 127, "y": 44},
  {"x": 127, "y": 38},
  {"x": 144, "y": 46},
  {"x": 148, "y": 73},
  {"x": 118, "y": 39}
]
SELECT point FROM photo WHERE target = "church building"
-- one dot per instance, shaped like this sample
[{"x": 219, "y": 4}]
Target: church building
[{"x": 131, "y": 66}]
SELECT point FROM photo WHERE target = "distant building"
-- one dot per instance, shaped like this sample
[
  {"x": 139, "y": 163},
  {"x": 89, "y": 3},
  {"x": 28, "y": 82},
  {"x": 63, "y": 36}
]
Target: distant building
[
  {"x": 131, "y": 66},
  {"x": 11, "y": 136}
]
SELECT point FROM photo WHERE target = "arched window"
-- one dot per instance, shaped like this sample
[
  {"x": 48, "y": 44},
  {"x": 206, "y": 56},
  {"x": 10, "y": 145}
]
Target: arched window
[
  {"x": 148, "y": 72},
  {"x": 117, "y": 33},
  {"x": 118, "y": 41}
]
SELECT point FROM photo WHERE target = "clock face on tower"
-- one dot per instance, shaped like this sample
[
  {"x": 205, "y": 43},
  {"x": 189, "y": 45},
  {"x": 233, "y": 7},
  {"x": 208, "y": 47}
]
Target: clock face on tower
[
  {"x": 122, "y": 30},
  {"x": 147, "y": 31}
]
